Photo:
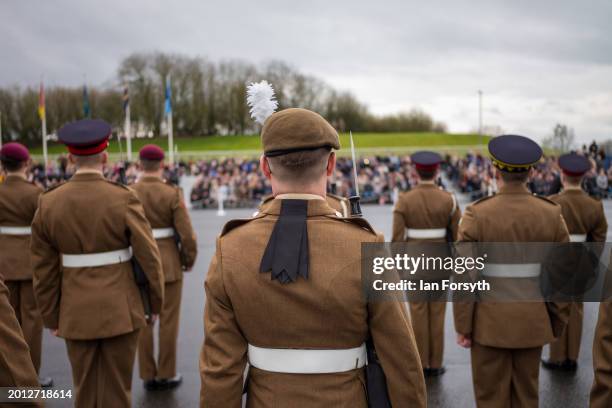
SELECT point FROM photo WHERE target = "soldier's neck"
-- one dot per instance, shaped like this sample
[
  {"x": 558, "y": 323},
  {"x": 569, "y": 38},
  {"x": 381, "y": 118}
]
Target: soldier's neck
[
  {"x": 20, "y": 174},
  {"x": 153, "y": 174},
  {"x": 317, "y": 188},
  {"x": 569, "y": 186},
  {"x": 90, "y": 169}
]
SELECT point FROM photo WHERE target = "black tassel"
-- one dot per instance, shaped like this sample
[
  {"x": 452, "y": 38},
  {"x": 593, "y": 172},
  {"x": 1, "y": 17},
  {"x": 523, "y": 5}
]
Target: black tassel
[{"x": 286, "y": 254}]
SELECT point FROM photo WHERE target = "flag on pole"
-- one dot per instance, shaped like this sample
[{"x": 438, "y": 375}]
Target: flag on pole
[
  {"x": 168, "y": 104},
  {"x": 41, "y": 101},
  {"x": 85, "y": 102},
  {"x": 168, "y": 111},
  {"x": 127, "y": 127}
]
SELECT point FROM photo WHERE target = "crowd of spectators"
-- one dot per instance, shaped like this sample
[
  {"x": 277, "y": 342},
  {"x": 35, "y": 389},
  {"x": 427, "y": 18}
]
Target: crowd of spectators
[
  {"x": 380, "y": 178},
  {"x": 473, "y": 174}
]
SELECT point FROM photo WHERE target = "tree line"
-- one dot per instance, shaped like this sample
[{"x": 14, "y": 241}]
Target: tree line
[{"x": 208, "y": 98}]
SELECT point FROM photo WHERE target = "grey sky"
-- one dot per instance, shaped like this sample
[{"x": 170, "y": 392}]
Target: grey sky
[{"x": 538, "y": 62}]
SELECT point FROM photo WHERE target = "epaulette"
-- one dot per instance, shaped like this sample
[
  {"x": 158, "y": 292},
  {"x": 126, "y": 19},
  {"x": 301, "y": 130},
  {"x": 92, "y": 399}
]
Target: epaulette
[
  {"x": 117, "y": 184},
  {"x": 548, "y": 200},
  {"x": 266, "y": 199},
  {"x": 47, "y": 189},
  {"x": 233, "y": 224},
  {"x": 360, "y": 222},
  {"x": 483, "y": 199}
]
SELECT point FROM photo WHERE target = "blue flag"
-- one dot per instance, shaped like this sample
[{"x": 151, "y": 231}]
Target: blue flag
[
  {"x": 168, "y": 104},
  {"x": 85, "y": 102}
]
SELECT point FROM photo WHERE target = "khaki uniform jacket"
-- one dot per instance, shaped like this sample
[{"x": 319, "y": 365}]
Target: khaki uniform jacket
[
  {"x": 18, "y": 203},
  {"x": 164, "y": 208},
  {"x": 327, "y": 311},
  {"x": 16, "y": 369},
  {"x": 426, "y": 206},
  {"x": 582, "y": 214},
  {"x": 88, "y": 215},
  {"x": 512, "y": 215}
]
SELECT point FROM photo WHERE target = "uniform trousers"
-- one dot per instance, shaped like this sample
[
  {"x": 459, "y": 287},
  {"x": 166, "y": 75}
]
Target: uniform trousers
[
  {"x": 567, "y": 346},
  {"x": 21, "y": 297},
  {"x": 102, "y": 370},
  {"x": 505, "y": 378},
  {"x": 165, "y": 367}
]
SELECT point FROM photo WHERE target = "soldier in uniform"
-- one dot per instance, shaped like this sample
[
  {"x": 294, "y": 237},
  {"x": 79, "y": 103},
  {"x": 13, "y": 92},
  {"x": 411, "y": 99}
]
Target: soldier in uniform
[
  {"x": 283, "y": 292},
  {"x": 506, "y": 339},
  {"x": 18, "y": 202},
  {"x": 601, "y": 393},
  {"x": 16, "y": 368},
  {"x": 586, "y": 222},
  {"x": 424, "y": 214},
  {"x": 84, "y": 235},
  {"x": 165, "y": 209}
]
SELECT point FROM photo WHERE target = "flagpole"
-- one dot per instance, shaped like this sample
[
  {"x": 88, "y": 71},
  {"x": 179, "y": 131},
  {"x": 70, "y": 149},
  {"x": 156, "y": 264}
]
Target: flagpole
[
  {"x": 128, "y": 133},
  {"x": 0, "y": 129},
  {"x": 44, "y": 137}
]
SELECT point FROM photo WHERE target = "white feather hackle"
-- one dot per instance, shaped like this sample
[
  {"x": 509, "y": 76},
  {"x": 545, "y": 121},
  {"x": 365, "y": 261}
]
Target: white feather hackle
[{"x": 261, "y": 99}]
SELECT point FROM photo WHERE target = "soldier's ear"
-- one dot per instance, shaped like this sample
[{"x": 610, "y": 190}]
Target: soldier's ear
[
  {"x": 265, "y": 166},
  {"x": 104, "y": 157},
  {"x": 331, "y": 164}
]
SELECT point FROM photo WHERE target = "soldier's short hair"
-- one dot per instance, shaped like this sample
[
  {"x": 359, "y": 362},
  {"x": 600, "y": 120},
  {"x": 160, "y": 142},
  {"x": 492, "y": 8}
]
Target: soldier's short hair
[
  {"x": 150, "y": 165},
  {"x": 300, "y": 166},
  {"x": 514, "y": 177},
  {"x": 11, "y": 165}
]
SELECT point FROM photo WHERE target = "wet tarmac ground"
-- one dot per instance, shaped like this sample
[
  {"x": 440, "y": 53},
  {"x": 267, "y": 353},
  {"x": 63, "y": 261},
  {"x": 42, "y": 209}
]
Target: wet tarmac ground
[{"x": 453, "y": 389}]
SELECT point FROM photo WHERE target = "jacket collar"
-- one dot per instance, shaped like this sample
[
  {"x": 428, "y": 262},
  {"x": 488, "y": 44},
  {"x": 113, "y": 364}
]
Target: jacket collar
[
  {"x": 316, "y": 205},
  {"x": 514, "y": 189},
  {"x": 150, "y": 179},
  {"x": 15, "y": 177},
  {"x": 87, "y": 176}
]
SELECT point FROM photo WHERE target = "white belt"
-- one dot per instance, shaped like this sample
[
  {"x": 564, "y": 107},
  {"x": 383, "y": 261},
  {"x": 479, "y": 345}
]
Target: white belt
[
  {"x": 15, "y": 230},
  {"x": 159, "y": 233},
  {"x": 98, "y": 259},
  {"x": 578, "y": 237},
  {"x": 428, "y": 233},
  {"x": 527, "y": 270},
  {"x": 307, "y": 361}
]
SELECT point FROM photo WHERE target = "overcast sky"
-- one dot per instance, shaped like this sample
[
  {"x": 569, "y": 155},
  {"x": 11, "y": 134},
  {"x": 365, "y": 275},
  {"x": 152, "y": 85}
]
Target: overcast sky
[{"x": 537, "y": 62}]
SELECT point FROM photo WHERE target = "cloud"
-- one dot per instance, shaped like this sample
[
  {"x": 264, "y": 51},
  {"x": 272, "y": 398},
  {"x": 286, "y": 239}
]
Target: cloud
[{"x": 538, "y": 63}]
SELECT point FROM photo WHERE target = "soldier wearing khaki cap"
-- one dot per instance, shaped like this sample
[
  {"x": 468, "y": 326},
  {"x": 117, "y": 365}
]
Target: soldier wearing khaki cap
[
  {"x": 169, "y": 218},
  {"x": 586, "y": 222},
  {"x": 18, "y": 202},
  {"x": 506, "y": 339},
  {"x": 84, "y": 235},
  {"x": 425, "y": 214},
  {"x": 283, "y": 291}
]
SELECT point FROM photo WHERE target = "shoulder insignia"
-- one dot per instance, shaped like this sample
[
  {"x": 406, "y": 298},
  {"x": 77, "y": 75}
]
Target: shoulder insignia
[
  {"x": 360, "y": 222},
  {"x": 233, "y": 224},
  {"x": 480, "y": 200}
]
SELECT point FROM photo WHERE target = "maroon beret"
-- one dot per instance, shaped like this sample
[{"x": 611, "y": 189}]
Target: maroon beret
[
  {"x": 151, "y": 152},
  {"x": 14, "y": 151}
]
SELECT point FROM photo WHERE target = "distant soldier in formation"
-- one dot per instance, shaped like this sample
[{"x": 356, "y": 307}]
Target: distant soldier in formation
[
  {"x": 506, "y": 339},
  {"x": 586, "y": 222},
  {"x": 427, "y": 213},
  {"x": 165, "y": 209},
  {"x": 84, "y": 235},
  {"x": 284, "y": 294},
  {"x": 18, "y": 203}
]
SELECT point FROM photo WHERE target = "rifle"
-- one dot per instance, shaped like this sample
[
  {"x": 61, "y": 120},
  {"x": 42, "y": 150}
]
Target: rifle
[
  {"x": 376, "y": 382},
  {"x": 139, "y": 276}
]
